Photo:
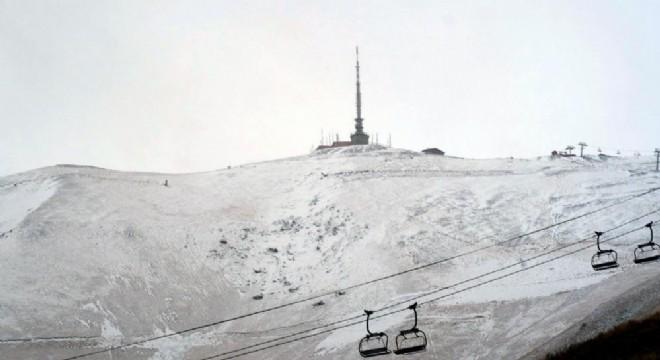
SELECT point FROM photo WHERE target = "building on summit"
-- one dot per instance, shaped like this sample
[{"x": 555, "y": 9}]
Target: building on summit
[
  {"x": 359, "y": 137},
  {"x": 433, "y": 151}
]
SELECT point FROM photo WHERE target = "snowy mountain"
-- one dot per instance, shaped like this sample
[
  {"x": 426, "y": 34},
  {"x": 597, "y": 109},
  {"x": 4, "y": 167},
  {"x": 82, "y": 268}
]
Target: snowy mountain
[{"x": 93, "y": 258}]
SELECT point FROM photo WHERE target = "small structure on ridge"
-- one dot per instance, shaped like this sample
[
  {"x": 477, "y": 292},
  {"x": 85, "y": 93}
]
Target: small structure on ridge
[{"x": 433, "y": 151}]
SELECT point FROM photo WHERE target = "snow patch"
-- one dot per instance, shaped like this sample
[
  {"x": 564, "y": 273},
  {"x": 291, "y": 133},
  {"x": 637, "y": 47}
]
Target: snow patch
[
  {"x": 110, "y": 333},
  {"x": 19, "y": 200}
]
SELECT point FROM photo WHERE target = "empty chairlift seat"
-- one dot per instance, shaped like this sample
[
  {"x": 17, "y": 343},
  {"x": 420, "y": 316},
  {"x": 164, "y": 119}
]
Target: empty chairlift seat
[
  {"x": 649, "y": 251},
  {"x": 603, "y": 259},
  {"x": 373, "y": 344},
  {"x": 411, "y": 340}
]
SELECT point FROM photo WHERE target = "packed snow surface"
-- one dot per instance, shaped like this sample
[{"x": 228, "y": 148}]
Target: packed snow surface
[{"x": 93, "y": 258}]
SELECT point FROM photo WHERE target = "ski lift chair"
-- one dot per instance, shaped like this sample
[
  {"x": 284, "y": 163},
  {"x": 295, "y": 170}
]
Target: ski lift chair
[
  {"x": 649, "y": 251},
  {"x": 411, "y": 340},
  {"x": 603, "y": 259},
  {"x": 373, "y": 344}
]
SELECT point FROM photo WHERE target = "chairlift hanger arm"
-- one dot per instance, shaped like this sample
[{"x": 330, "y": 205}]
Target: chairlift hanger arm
[
  {"x": 598, "y": 234},
  {"x": 368, "y": 315}
]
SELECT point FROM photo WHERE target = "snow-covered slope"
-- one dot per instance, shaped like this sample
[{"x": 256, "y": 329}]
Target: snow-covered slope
[{"x": 92, "y": 258}]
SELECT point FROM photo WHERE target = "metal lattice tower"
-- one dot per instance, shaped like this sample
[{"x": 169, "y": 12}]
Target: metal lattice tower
[{"x": 359, "y": 137}]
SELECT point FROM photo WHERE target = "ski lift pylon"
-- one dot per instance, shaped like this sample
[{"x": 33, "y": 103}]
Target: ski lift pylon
[
  {"x": 603, "y": 259},
  {"x": 649, "y": 251},
  {"x": 373, "y": 344},
  {"x": 411, "y": 340}
]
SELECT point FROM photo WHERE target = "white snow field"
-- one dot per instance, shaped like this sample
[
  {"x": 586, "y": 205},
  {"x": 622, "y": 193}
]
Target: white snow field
[{"x": 93, "y": 258}]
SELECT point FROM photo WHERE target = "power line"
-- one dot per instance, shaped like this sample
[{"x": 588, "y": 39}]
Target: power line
[
  {"x": 281, "y": 306},
  {"x": 427, "y": 294}
]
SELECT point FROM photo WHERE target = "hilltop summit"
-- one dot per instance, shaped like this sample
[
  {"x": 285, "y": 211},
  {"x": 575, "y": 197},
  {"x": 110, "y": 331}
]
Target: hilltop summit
[{"x": 93, "y": 257}]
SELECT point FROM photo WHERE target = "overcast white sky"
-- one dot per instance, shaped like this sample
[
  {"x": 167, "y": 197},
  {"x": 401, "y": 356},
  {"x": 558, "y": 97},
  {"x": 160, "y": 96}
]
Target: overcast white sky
[{"x": 184, "y": 86}]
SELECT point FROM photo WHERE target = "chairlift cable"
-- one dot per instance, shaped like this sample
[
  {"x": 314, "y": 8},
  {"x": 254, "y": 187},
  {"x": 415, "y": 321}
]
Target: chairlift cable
[
  {"x": 281, "y": 306},
  {"x": 619, "y": 149},
  {"x": 522, "y": 261},
  {"x": 425, "y": 302},
  {"x": 430, "y": 293},
  {"x": 537, "y": 264}
]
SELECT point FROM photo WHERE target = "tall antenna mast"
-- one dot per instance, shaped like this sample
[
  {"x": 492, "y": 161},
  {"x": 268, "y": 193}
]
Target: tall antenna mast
[
  {"x": 359, "y": 96},
  {"x": 359, "y": 137}
]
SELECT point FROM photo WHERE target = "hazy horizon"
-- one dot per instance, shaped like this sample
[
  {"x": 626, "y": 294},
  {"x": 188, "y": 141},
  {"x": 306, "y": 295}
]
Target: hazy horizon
[{"x": 178, "y": 87}]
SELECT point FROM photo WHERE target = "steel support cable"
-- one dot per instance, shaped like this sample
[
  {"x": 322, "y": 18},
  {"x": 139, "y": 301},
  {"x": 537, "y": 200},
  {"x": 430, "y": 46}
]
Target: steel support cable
[
  {"x": 518, "y": 237},
  {"x": 424, "y": 302},
  {"x": 624, "y": 150},
  {"x": 432, "y": 292},
  {"x": 525, "y": 260}
]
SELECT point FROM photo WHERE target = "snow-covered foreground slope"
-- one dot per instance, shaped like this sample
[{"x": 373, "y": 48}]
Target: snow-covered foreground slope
[{"x": 93, "y": 258}]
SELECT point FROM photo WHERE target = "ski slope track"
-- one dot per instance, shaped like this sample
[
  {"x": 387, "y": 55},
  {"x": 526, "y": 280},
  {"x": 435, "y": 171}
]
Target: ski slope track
[{"x": 92, "y": 258}]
